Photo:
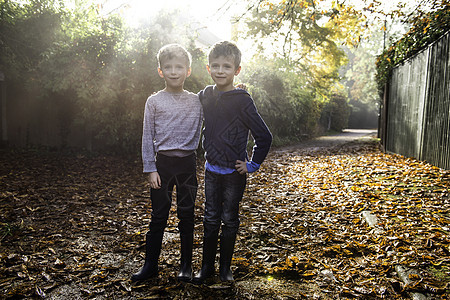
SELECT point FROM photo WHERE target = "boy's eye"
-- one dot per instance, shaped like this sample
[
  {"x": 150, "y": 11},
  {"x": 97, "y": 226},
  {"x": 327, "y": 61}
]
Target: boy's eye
[{"x": 226, "y": 66}]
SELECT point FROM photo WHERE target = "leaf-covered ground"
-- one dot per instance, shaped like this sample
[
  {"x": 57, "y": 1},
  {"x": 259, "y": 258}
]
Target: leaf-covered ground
[{"x": 72, "y": 227}]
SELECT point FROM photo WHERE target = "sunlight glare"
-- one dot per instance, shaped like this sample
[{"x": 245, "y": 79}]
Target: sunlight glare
[{"x": 215, "y": 15}]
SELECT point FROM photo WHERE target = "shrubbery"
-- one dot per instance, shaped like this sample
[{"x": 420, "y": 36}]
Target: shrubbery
[{"x": 424, "y": 31}]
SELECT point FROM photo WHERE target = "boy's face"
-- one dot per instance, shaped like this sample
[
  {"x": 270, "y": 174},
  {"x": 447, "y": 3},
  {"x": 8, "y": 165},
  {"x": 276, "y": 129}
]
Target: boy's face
[
  {"x": 222, "y": 71},
  {"x": 174, "y": 71}
]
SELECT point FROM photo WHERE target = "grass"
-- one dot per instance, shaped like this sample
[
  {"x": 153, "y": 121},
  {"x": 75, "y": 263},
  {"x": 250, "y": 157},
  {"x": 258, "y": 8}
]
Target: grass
[{"x": 8, "y": 229}]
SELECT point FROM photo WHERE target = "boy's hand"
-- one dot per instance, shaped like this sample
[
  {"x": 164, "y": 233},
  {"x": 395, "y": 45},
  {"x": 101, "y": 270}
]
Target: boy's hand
[
  {"x": 241, "y": 86},
  {"x": 241, "y": 166},
  {"x": 155, "y": 180}
]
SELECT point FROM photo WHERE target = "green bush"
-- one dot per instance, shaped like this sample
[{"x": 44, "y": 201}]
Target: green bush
[{"x": 423, "y": 32}]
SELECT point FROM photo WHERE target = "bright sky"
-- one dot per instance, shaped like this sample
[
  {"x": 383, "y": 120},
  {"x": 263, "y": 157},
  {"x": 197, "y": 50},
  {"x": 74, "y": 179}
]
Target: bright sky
[{"x": 215, "y": 14}]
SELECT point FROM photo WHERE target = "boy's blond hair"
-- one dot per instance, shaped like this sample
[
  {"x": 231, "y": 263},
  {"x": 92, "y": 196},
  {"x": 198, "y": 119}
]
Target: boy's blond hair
[
  {"x": 226, "y": 49},
  {"x": 173, "y": 50}
]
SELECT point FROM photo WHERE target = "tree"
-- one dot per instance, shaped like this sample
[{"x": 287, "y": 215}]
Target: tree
[
  {"x": 306, "y": 39},
  {"x": 358, "y": 76},
  {"x": 283, "y": 99},
  {"x": 27, "y": 31},
  {"x": 83, "y": 76},
  {"x": 336, "y": 112},
  {"x": 303, "y": 35}
]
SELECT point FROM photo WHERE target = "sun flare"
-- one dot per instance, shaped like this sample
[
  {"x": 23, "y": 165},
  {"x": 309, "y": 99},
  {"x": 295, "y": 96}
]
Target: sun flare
[{"x": 214, "y": 15}]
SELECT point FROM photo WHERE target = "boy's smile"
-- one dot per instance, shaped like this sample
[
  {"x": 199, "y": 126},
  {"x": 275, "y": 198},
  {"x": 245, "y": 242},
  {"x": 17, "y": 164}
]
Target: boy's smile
[
  {"x": 222, "y": 71},
  {"x": 174, "y": 71}
]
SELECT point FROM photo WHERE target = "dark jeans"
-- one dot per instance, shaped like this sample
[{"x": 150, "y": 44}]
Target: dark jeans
[
  {"x": 179, "y": 172},
  {"x": 223, "y": 195}
]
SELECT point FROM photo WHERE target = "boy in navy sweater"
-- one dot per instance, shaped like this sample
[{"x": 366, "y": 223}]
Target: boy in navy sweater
[{"x": 229, "y": 115}]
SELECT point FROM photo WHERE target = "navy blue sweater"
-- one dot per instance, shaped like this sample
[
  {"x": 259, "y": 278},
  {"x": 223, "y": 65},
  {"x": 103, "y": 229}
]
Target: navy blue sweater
[{"x": 228, "y": 119}]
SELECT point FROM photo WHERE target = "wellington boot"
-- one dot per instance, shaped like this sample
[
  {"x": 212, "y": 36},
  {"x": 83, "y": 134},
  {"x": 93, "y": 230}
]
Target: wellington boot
[
  {"x": 153, "y": 242},
  {"x": 209, "y": 256},
  {"x": 185, "y": 273},
  {"x": 226, "y": 254},
  {"x": 148, "y": 271}
]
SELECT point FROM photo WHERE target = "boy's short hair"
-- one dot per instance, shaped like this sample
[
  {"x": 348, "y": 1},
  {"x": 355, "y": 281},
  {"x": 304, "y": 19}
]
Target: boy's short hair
[
  {"x": 173, "y": 50},
  {"x": 226, "y": 49}
]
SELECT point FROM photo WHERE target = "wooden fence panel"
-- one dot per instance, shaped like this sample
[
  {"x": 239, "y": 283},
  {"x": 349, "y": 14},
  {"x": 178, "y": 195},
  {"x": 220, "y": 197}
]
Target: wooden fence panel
[
  {"x": 405, "y": 112},
  {"x": 418, "y": 106},
  {"x": 436, "y": 144}
]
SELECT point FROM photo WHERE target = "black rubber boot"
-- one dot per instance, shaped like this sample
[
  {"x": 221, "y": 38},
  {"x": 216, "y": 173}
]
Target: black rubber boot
[
  {"x": 185, "y": 273},
  {"x": 153, "y": 242},
  {"x": 226, "y": 254},
  {"x": 209, "y": 256}
]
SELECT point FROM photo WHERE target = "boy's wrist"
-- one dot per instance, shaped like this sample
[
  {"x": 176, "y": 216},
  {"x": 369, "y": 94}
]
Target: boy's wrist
[
  {"x": 252, "y": 166},
  {"x": 150, "y": 167}
]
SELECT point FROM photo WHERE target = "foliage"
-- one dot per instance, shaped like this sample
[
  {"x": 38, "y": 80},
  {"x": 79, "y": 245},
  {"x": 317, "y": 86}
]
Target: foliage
[
  {"x": 358, "y": 77},
  {"x": 306, "y": 37},
  {"x": 362, "y": 115},
  {"x": 26, "y": 32},
  {"x": 90, "y": 74},
  {"x": 336, "y": 112},
  {"x": 92, "y": 70},
  {"x": 283, "y": 99},
  {"x": 425, "y": 30},
  {"x": 306, "y": 42},
  {"x": 310, "y": 37}
]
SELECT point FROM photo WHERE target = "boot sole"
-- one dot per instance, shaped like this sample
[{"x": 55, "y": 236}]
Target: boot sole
[
  {"x": 134, "y": 279},
  {"x": 184, "y": 279},
  {"x": 203, "y": 280}
]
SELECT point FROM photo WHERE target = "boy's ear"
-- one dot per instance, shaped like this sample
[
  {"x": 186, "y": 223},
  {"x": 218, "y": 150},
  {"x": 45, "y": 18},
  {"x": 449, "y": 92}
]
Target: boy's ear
[
  {"x": 188, "y": 72},
  {"x": 160, "y": 72},
  {"x": 238, "y": 70},
  {"x": 207, "y": 68}
]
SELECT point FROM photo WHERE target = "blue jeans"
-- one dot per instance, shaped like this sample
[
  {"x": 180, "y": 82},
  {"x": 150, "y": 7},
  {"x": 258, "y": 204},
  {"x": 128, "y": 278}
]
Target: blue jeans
[{"x": 223, "y": 195}]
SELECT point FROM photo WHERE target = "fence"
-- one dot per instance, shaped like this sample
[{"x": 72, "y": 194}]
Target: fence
[{"x": 417, "y": 106}]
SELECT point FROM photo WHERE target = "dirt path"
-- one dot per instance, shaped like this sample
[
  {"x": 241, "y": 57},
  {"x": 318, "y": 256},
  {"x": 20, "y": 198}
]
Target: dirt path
[{"x": 330, "y": 141}]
